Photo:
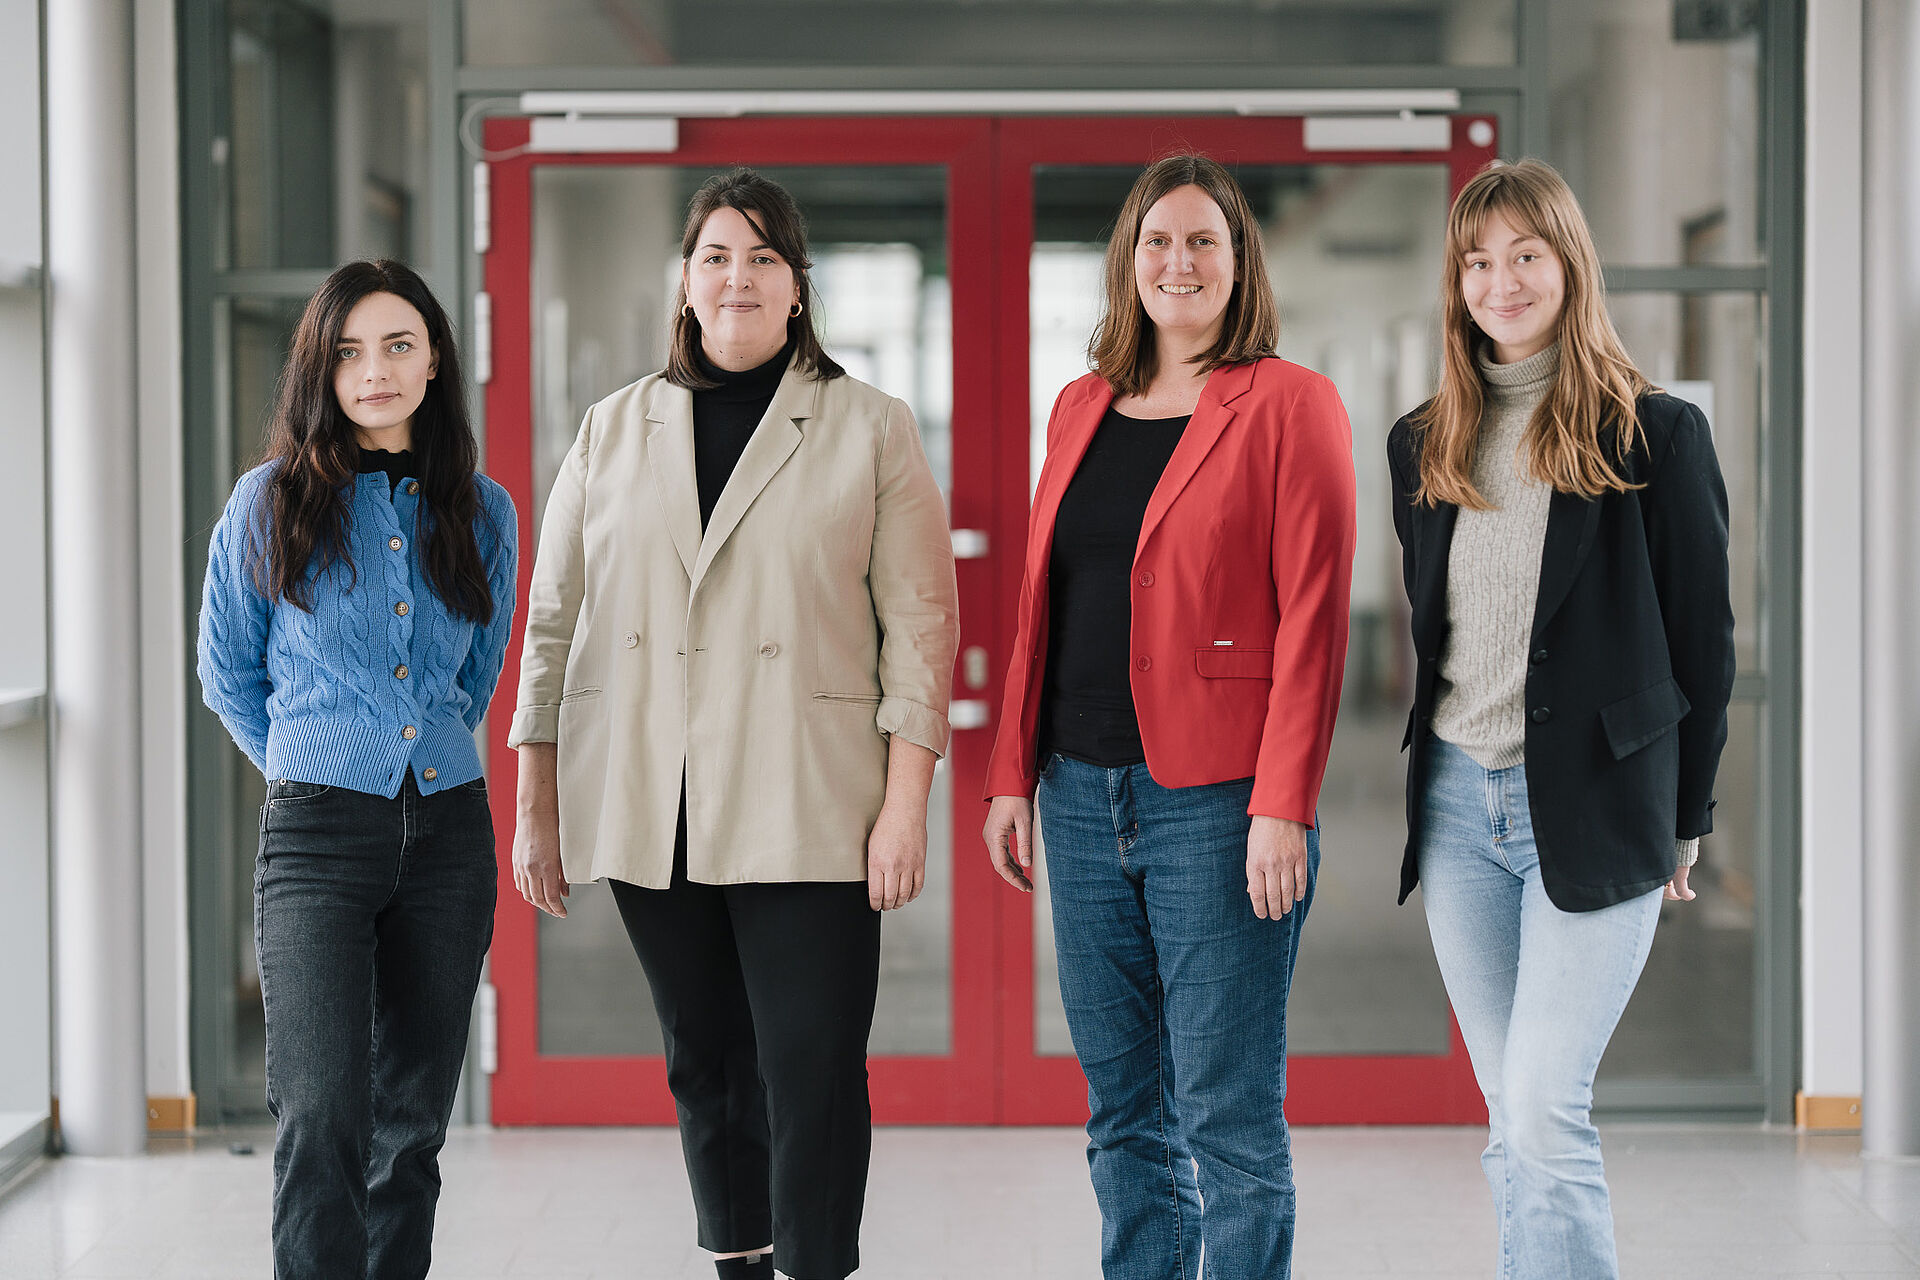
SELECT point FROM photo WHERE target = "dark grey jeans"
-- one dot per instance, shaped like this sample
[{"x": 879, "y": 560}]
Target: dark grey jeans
[{"x": 371, "y": 917}]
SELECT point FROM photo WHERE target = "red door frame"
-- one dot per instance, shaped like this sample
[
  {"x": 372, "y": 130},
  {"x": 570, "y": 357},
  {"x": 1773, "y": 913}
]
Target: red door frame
[
  {"x": 993, "y": 1074},
  {"x": 532, "y": 1088},
  {"x": 1380, "y": 1089}
]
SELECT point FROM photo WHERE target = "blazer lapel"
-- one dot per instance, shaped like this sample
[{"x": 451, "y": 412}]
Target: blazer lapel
[
  {"x": 1057, "y": 473},
  {"x": 1434, "y": 534},
  {"x": 773, "y": 442},
  {"x": 670, "y": 459},
  {"x": 1210, "y": 418},
  {"x": 1572, "y": 522}
]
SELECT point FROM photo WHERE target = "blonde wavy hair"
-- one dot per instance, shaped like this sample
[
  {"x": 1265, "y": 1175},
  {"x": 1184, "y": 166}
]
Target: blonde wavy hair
[{"x": 1582, "y": 433}]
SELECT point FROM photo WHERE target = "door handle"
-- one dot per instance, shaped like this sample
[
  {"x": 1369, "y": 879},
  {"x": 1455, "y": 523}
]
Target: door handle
[
  {"x": 969, "y": 544},
  {"x": 968, "y": 713},
  {"x": 973, "y": 666}
]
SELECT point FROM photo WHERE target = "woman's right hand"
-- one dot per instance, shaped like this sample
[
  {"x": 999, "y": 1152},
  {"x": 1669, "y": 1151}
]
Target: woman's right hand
[
  {"x": 536, "y": 833},
  {"x": 1009, "y": 835}
]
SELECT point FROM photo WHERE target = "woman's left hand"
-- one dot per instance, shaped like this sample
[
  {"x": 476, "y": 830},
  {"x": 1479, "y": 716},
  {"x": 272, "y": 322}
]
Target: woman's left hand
[
  {"x": 1677, "y": 890},
  {"x": 1276, "y": 865},
  {"x": 896, "y": 858}
]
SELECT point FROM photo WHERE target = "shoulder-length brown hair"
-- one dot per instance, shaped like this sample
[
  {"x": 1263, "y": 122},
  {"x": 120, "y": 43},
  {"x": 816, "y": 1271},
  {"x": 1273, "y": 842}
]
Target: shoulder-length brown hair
[
  {"x": 1581, "y": 434},
  {"x": 309, "y": 499},
  {"x": 1122, "y": 349},
  {"x": 776, "y": 219}
]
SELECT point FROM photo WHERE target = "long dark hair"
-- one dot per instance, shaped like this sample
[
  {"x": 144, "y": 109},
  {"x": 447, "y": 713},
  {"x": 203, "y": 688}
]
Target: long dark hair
[
  {"x": 308, "y": 504},
  {"x": 775, "y": 218}
]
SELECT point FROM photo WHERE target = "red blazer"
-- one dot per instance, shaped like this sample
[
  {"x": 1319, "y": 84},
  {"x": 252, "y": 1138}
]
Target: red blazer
[{"x": 1240, "y": 589}]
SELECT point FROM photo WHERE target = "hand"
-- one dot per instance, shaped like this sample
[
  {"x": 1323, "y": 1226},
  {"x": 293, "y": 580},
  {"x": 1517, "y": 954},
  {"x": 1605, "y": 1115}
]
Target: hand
[
  {"x": 1677, "y": 890},
  {"x": 896, "y": 858},
  {"x": 536, "y": 862},
  {"x": 1009, "y": 836},
  {"x": 1276, "y": 865}
]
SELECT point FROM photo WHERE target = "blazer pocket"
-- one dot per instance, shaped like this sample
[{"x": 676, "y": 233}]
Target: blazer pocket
[
  {"x": 859, "y": 699},
  {"x": 1639, "y": 718},
  {"x": 1225, "y": 663},
  {"x": 579, "y": 695}
]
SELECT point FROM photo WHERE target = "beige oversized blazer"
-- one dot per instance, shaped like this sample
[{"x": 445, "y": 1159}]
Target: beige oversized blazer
[{"x": 770, "y": 658}]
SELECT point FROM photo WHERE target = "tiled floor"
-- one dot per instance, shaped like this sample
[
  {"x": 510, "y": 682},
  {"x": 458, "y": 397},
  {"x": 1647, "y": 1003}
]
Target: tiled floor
[{"x": 1692, "y": 1202}]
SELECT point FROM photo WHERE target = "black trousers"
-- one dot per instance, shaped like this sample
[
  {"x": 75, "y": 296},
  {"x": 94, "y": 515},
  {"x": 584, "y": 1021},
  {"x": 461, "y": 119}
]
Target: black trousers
[
  {"x": 371, "y": 917},
  {"x": 765, "y": 994}
]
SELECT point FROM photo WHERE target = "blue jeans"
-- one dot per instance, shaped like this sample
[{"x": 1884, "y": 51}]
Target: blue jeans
[
  {"x": 1176, "y": 996},
  {"x": 1537, "y": 992},
  {"x": 371, "y": 917}
]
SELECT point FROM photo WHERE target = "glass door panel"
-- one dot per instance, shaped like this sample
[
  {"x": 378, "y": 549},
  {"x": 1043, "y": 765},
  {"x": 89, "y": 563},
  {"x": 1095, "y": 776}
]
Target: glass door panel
[
  {"x": 1353, "y": 252},
  {"x": 606, "y": 263},
  {"x": 581, "y": 277},
  {"x": 1354, "y": 247}
]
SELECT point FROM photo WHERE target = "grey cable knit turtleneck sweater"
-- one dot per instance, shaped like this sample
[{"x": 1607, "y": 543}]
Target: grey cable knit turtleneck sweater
[
  {"x": 1493, "y": 577},
  {"x": 1493, "y": 573}
]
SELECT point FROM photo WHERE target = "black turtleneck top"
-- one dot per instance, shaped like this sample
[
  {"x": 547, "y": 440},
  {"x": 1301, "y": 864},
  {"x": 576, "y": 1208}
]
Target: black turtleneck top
[
  {"x": 398, "y": 466},
  {"x": 1086, "y": 703},
  {"x": 725, "y": 418}
]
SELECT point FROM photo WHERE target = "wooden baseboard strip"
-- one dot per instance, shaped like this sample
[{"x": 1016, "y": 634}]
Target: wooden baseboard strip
[
  {"x": 171, "y": 1114},
  {"x": 165, "y": 1114},
  {"x": 1830, "y": 1112}
]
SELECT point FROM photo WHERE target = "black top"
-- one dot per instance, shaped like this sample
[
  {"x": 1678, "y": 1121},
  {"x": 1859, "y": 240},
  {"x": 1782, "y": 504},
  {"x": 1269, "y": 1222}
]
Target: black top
[
  {"x": 1086, "y": 704},
  {"x": 724, "y": 419},
  {"x": 398, "y": 466},
  {"x": 1629, "y": 665}
]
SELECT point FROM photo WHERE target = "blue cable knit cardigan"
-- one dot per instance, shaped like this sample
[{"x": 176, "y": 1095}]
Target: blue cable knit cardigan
[{"x": 379, "y": 678}]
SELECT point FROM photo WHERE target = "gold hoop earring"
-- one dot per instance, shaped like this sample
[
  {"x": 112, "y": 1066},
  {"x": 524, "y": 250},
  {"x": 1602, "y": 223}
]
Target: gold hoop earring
[
  {"x": 797, "y": 309},
  {"x": 687, "y": 311}
]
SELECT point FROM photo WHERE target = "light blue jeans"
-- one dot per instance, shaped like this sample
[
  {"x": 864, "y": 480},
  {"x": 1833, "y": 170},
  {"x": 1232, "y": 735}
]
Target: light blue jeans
[
  {"x": 1176, "y": 995},
  {"x": 1537, "y": 992}
]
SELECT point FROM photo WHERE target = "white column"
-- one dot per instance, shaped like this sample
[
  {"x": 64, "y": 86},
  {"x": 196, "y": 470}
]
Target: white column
[
  {"x": 1890, "y": 1103},
  {"x": 93, "y": 448},
  {"x": 1832, "y": 603}
]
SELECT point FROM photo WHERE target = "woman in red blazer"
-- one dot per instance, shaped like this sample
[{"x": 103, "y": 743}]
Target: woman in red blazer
[{"x": 1171, "y": 699}]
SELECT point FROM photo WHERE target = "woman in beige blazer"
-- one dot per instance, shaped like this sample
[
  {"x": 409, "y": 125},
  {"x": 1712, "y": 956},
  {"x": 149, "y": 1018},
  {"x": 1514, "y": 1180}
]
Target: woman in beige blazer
[{"x": 739, "y": 647}]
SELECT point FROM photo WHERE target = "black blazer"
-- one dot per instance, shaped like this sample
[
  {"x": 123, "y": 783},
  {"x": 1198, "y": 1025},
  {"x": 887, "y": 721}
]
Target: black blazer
[{"x": 1630, "y": 661}]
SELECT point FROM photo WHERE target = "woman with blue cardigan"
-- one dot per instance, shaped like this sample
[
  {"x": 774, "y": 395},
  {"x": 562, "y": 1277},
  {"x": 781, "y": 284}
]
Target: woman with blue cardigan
[{"x": 358, "y": 597}]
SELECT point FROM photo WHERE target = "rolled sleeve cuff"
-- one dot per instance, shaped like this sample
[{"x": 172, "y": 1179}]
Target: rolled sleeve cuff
[
  {"x": 1023, "y": 787},
  {"x": 916, "y": 722},
  {"x": 534, "y": 724},
  {"x": 1282, "y": 800}
]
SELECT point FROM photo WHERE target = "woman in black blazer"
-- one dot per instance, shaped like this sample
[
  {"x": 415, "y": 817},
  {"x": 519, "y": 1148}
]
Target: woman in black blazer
[{"x": 1563, "y": 528}]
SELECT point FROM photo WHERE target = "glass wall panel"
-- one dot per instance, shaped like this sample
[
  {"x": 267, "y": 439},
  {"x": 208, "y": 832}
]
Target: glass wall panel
[
  {"x": 988, "y": 33},
  {"x": 1655, "y": 115},
  {"x": 323, "y": 151},
  {"x": 256, "y": 333},
  {"x": 26, "y": 1056},
  {"x": 1692, "y": 1014},
  {"x": 606, "y": 262},
  {"x": 1710, "y": 348},
  {"x": 1691, "y": 1017},
  {"x": 1353, "y": 252}
]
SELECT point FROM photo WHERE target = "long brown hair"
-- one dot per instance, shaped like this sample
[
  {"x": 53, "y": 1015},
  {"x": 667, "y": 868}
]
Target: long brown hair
[
  {"x": 309, "y": 502},
  {"x": 1123, "y": 349},
  {"x": 1582, "y": 433},
  {"x": 776, "y": 219}
]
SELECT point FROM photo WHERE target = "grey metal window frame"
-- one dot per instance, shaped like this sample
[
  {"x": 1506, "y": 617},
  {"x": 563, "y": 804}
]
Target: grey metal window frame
[{"x": 1517, "y": 95}]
